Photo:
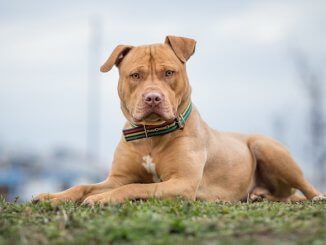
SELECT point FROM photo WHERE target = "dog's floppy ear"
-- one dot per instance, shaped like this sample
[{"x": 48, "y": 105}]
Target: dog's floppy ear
[
  {"x": 116, "y": 57},
  {"x": 183, "y": 47}
]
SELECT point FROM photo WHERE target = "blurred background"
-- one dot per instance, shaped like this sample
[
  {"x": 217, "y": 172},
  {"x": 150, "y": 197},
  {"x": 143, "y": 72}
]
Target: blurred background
[{"x": 259, "y": 67}]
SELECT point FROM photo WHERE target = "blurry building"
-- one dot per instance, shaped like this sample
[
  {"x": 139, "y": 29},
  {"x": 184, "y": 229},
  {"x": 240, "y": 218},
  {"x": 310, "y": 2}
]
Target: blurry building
[{"x": 25, "y": 175}]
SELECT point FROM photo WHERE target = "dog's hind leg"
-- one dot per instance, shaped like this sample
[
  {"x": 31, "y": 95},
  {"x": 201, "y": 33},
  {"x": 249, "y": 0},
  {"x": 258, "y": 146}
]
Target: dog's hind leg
[{"x": 277, "y": 171}]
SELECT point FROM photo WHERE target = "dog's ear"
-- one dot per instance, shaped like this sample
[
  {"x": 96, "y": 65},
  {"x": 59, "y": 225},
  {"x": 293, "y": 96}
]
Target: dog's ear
[
  {"x": 183, "y": 47},
  {"x": 116, "y": 57}
]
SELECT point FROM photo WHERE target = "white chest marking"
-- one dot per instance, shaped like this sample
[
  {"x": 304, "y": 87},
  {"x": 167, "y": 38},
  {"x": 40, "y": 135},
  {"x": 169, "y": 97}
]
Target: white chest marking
[{"x": 150, "y": 167}]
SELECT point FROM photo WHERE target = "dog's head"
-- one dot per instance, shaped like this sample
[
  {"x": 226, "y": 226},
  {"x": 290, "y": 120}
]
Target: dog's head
[{"x": 153, "y": 83}]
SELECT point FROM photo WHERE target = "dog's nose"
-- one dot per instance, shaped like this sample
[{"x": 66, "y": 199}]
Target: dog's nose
[{"x": 153, "y": 98}]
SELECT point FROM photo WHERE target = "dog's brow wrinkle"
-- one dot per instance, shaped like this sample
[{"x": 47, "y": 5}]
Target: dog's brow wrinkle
[
  {"x": 152, "y": 63},
  {"x": 137, "y": 68}
]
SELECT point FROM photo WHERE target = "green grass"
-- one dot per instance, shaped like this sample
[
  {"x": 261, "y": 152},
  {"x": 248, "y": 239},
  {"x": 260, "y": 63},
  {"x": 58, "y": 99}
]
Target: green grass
[{"x": 164, "y": 222}]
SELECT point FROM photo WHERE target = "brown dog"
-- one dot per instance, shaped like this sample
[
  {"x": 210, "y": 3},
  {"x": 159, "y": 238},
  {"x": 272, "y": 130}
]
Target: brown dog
[{"x": 168, "y": 151}]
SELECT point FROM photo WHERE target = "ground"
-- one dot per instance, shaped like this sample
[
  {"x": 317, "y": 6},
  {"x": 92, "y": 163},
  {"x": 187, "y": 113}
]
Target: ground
[{"x": 164, "y": 222}]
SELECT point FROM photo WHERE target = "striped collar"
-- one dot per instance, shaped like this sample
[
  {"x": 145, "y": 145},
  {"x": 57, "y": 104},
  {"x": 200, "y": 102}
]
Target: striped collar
[{"x": 146, "y": 131}]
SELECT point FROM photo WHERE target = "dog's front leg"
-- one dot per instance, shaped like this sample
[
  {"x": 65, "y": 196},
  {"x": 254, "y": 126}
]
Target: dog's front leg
[
  {"x": 183, "y": 188},
  {"x": 79, "y": 192},
  {"x": 120, "y": 175},
  {"x": 181, "y": 175}
]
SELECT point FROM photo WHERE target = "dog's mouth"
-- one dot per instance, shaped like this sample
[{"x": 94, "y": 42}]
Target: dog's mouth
[{"x": 153, "y": 116}]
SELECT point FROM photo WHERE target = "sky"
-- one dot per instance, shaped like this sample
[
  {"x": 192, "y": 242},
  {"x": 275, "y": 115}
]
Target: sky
[{"x": 242, "y": 73}]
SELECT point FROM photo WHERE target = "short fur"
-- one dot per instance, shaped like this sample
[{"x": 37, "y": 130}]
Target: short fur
[{"x": 197, "y": 162}]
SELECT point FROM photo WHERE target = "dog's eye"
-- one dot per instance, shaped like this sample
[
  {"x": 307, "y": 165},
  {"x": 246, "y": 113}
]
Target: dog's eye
[
  {"x": 169, "y": 73},
  {"x": 135, "y": 76}
]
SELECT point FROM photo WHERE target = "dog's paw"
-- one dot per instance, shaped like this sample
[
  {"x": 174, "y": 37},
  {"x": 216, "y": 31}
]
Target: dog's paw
[
  {"x": 94, "y": 199},
  {"x": 104, "y": 199},
  {"x": 255, "y": 198},
  {"x": 42, "y": 197},
  {"x": 321, "y": 197},
  {"x": 54, "y": 199}
]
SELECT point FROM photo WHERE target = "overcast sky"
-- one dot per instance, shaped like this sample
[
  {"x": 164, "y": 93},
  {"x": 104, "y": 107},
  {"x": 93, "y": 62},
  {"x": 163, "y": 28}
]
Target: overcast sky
[{"x": 242, "y": 73}]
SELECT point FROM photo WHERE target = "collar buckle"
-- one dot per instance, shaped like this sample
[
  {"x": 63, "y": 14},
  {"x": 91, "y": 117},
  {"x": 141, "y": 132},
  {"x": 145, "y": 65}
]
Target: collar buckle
[
  {"x": 180, "y": 120},
  {"x": 145, "y": 130}
]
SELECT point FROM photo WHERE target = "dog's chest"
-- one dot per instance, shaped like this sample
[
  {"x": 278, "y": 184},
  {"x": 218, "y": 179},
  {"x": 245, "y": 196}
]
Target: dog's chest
[{"x": 150, "y": 168}]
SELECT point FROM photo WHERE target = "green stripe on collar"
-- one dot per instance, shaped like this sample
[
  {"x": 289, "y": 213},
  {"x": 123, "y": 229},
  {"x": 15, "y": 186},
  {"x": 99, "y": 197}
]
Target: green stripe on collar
[{"x": 146, "y": 131}]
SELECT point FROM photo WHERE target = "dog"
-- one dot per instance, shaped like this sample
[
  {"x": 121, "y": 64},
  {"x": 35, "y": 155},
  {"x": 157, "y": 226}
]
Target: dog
[{"x": 168, "y": 151}]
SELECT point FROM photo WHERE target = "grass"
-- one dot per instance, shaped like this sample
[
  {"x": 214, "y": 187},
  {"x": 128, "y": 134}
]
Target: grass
[{"x": 164, "y": 222}]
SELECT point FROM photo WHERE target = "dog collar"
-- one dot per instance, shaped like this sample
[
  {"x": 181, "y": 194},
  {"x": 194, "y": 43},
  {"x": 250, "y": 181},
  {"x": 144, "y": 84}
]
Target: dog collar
[{"x": 146, "y": 131}]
